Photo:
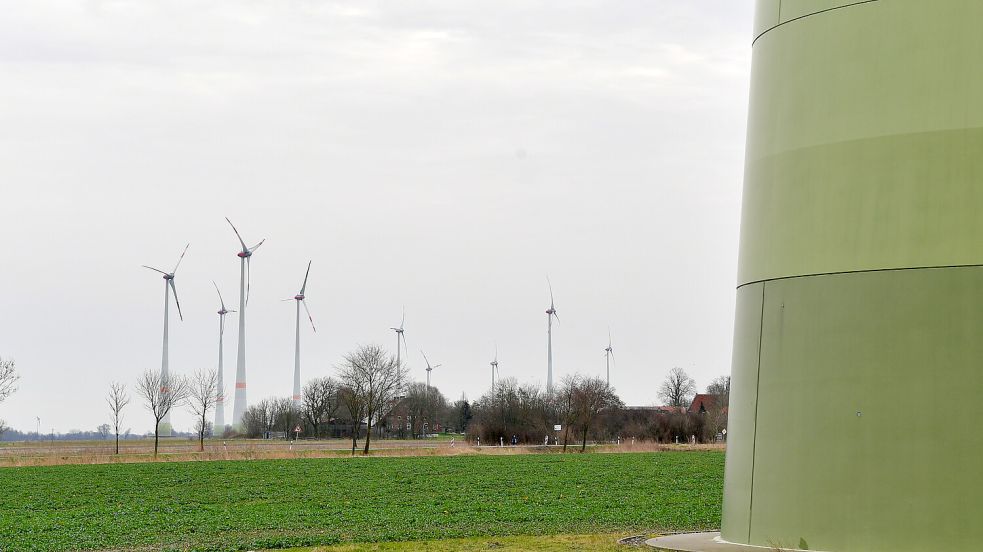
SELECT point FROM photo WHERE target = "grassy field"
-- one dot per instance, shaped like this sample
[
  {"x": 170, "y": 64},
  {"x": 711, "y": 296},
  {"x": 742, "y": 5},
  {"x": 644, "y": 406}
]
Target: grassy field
[{"x": 281, "y": 503}]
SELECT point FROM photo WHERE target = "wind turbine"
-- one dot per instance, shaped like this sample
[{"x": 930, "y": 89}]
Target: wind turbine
[
  {"x": 400, "y": 336},
  {"x": 608, "y": 355},
  {"x": 550, "y": 314},
  {"x": 165, "y": 427},
  {"x": 494, "y": 368},
  {"x": 220, "y": 401},
  {"x": 299, "y": 298},
  {"x": 239, "y": 407},
  {"x": 429, "y": 368}
]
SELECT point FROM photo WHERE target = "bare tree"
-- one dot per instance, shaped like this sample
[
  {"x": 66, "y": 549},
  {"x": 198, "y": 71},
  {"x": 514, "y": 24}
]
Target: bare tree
[
  {"x": 117, "y": 399},
  {"x": 421, "y": 403},
  {"x": 8, "y": 378},
  {"x": 716, "y": 418},
  {"x": 103, "y": 430},
  {"x": 161, "y": 393},
  {"x": 285, "y": 415},
  {"x": 565, "y": 404},
  {"x": 203, "y": 394},
  {"x": 260, "y": 418},
  {"x": 319, "y": 402},
  {"x": 373, "y": 373},
  {"x": 591, "y": 396},
  {"x": 720, "y": 389},
  {"x": 678, "y": 388},
  {"x": 354, "y": 401},
  {"x": 8, "y": 384}
]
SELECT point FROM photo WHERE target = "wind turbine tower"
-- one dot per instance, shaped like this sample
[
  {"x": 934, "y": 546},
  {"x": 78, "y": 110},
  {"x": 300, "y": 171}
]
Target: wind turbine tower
[
  {"x": 239, "y": 406},
  {"x": 299, "y": 298},
  {"x": 400, "y": 337},
  {"x": 220, "y": 402},
  {"x": 608, "y": 355},
  {"x": 550, "y": 315},
  {"x": 165, "y": 424},
  {"x": 494, "y": 368}
]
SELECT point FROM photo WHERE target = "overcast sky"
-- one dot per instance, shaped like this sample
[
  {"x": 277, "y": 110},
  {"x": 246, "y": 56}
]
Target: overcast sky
[{"x": 442, "y": 155}]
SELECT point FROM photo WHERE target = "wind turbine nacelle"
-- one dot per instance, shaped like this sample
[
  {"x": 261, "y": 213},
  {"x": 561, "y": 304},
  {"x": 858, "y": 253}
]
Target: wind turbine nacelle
[
  {"x": 299, "y": 297},
  {"x": 243, "y": 254},
  {"x": 168, "y": 276}
]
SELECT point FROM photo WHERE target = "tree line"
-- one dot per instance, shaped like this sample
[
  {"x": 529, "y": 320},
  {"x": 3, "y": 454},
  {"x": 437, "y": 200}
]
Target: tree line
[{"x": 370, "y": 396}]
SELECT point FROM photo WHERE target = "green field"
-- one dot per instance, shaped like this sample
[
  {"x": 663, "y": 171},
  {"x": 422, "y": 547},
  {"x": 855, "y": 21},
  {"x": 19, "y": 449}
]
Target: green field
[{"x": 242, "y": 505}]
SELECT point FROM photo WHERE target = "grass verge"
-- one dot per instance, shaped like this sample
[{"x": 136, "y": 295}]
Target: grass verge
[{"x": 554, "y": 543}]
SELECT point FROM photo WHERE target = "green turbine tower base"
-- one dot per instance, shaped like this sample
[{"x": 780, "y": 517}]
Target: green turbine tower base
[{"x": 856, "y": 413}]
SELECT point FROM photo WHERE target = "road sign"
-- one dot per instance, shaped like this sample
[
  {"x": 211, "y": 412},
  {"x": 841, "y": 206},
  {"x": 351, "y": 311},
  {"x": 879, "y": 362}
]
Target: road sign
[
  {"x": 557, "y": 427},
  {"x": 297, "y": 429}
]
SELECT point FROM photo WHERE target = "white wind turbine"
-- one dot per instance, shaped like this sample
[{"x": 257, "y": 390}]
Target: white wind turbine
[
  {"x": 165, "y": 425},
  {"x": 494, "y": 368},
  {"x": 239, "y": 407},
  {"x": 608, "y": 355},
  {"x": 429, "y": 368},
  {"x": 400, "y": 337},
  {"x": 300, "y": 299},
  {"x": 220, "y": 400},
  {"x": 550, "y": 314}
]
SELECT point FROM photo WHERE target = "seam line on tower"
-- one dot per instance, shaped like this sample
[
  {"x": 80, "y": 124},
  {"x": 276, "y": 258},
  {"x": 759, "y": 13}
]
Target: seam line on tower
[
  {"x": 862, "y": 271},
  {"x": 806, "y": 15},
  {"x": 757, "y": 390}
]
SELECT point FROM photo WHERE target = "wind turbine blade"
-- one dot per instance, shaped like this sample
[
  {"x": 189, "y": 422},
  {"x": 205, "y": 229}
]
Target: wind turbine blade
[
  {"x": 181, "y": 258},
  {"x": 154, "y": 269},
  {"x": 220, "y": 300},
  {"x": 255, "y": 247},
  {"x": 609, "y": 337},
  {"x": 303, "y": 287},
  {"x": 425, "y": 358},
  {"x": 496, "y": 352},
  {"x": 248, "y": 277},
  {"x": 176, "y": 302},
  {"x": 309, "y": 317},
  {"x": 548, "y": 283},
  {"x": 436, "y": 366},
  {"x": 244, "y": 248},
  {"x": 556, "y": 316},
  {"x": 403, "y": 319}
]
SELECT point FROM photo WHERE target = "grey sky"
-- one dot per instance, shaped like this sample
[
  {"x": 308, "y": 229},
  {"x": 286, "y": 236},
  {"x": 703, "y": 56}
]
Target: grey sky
[{"x": 444, "y": 155}]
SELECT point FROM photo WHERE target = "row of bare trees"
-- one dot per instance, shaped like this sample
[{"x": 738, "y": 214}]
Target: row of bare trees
[
  {"x": 162, "y": 393},
  {"x": 529, "y": 414},
  {"x": 369, "y": 384}
]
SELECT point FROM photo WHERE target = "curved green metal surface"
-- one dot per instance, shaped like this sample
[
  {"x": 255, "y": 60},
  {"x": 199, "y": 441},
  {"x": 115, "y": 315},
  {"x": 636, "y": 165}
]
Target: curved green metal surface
[
  {"x": 855, "y": 423},
  {"x": 863, "y": 136}
]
